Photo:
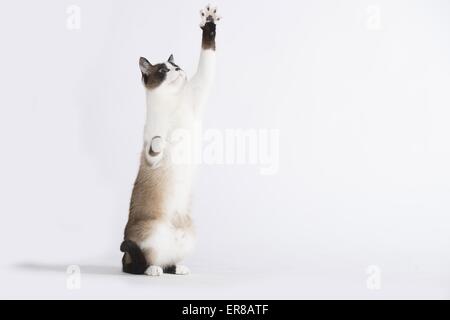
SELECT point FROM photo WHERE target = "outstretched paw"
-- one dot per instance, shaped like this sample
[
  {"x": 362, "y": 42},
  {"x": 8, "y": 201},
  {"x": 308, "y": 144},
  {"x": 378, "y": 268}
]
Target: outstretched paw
[{"x": 209, "y": 14}]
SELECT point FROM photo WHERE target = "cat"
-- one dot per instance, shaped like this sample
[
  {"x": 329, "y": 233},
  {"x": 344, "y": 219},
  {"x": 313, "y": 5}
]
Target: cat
[{"x": 159, "y": 233}]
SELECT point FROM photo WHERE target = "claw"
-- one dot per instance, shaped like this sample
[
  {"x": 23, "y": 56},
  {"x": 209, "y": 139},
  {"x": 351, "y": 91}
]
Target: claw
[{"x": 209, "y": 14}]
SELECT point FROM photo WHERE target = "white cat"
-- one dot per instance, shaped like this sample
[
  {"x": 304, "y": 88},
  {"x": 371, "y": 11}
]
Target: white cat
[{"x": 159, "y": 232}]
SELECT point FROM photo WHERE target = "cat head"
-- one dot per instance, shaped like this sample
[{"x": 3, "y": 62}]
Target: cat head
[{"x": 163, "y": 77}]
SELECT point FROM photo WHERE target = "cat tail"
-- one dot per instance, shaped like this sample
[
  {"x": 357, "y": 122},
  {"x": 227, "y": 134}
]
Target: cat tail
[{"x": 138, "y": 263}]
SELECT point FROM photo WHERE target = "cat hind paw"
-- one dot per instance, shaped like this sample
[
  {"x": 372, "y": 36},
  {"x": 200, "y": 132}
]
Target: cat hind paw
[
  {"x": 154, "y": 271},
  {"x": 182, "y": 270}
]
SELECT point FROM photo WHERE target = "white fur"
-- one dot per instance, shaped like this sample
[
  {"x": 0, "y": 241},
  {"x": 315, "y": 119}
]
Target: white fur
[
  {"x": 154, "y": 271},
  {"x": 180, "y": 269},
  {"x": 169, "y": 245},
  {"x": 209, "y": 11},
  {"x": 176, "y": 104}
]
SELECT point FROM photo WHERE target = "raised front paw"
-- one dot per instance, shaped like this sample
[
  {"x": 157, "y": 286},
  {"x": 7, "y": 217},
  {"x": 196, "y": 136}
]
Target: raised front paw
[{"x": 209, "y": 14}]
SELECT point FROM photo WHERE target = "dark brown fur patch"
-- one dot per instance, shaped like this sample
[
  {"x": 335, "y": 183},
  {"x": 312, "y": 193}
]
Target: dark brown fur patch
[
  {"x": 172, "y": 269},
  {"x": 152, "y": 75},
  {"x": 209, "y": 36}
]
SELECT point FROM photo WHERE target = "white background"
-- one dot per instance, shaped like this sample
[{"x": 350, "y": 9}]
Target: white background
[{"x": 363, "y": 111}]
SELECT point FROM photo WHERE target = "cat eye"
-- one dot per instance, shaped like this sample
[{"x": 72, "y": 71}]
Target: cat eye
[
  {"x": 177, "y": 68},
  {"x": 163, "y": 70}
]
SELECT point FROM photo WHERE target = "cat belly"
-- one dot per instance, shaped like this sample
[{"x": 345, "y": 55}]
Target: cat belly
[{"x": 167, "y": 244}]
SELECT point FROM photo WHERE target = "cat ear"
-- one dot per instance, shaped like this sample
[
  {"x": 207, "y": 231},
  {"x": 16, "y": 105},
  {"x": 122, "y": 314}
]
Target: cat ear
[
  {"x": 171, "y": 58},
  {"x": 145, "y": 66}
]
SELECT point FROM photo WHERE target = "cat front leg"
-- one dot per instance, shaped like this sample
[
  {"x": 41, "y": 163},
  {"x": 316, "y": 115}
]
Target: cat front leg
[
  {"x": 203, "y": 78},
  {"x": 209, "y": 18},
  {"x": 154, "y": 151}
]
